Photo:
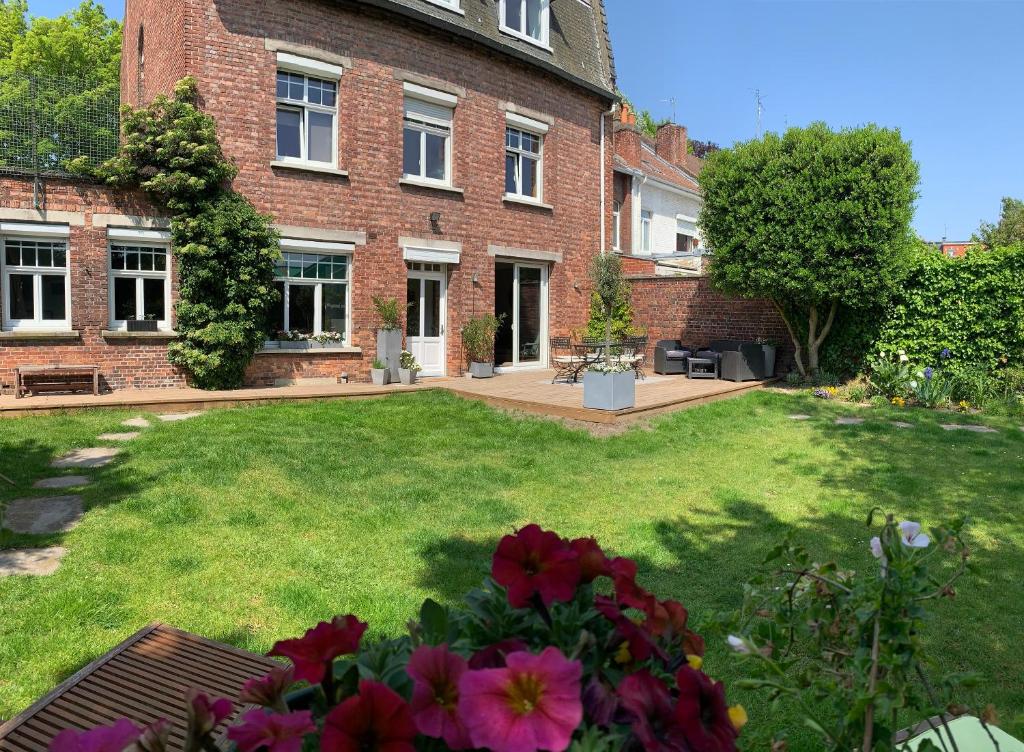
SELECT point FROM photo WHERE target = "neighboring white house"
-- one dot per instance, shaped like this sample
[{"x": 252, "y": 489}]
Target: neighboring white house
[{"x": 657, "y": 199}]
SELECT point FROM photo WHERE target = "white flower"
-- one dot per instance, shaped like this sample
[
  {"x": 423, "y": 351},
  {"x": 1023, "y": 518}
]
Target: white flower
[
  {"x": 911, "y": 535},
  {"x": 903, "y": 358},
  {"x": 737, "y": 644},
  {"x": 876, "y": 548},
  {"x": 913, "y": 385}
]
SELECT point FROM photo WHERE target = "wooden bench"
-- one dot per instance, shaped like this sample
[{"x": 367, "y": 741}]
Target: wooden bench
[
  {"x": 58, "y": 378},
  {"x": 142, "y": 679}
]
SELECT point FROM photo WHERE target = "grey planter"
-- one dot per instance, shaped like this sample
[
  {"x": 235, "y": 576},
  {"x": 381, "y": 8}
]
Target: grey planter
[
  {"x": 609, "y": 391},
  {"x": 287, "y": 344},
  {"x": 380, "y": 376},
  {"x": 407, "y": 376},
  {"x": 769, "y": 360},
  {"x": 481, "y": 370},
  {"x": 145, "y": 325},
  {"x": 389, "y": 349}
]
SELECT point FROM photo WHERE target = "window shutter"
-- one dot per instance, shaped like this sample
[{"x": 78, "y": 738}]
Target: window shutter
[{"x": 428, "y": 112}]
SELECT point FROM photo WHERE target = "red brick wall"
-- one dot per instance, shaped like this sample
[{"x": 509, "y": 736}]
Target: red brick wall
[
  {"x": 236, "y": 77},
  {"x": 688, "y": 309},
  {"x": 637, "y": 266},
  {"x": 164, "y": 26}
]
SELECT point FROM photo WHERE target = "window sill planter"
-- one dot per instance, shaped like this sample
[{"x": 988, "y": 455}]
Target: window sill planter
[
  {"x": 416, "y": 183},
  {"x": 145, "y": 325},
  {"x": 407, "y": 376},
  {"x": 481, "y": 370},
  {"x": 127, "y": 334},
  {"x": 380, "y": 376},
  {"x": 288, "y": 348},
  {"x": 310, "y": 167},
  {"x": 41, "y": 334},
  {"x": 511, "y": 198},
  {"x": 609, "y": 391}
]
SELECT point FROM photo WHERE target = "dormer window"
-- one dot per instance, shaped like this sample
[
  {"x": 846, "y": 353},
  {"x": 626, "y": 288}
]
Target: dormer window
[{"x": 526, "y": 19}]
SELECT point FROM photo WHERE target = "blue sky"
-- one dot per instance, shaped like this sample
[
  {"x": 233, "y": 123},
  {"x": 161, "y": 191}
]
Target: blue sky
[{"x": 946, "y": 73}]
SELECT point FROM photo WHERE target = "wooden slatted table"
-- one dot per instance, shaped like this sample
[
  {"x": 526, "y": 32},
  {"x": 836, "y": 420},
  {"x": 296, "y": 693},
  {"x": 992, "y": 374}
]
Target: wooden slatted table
[{"x": 142, "y": 679}]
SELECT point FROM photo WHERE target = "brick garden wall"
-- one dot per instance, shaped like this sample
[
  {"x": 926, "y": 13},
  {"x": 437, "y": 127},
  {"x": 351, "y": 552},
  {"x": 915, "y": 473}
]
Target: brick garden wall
[{"x": 688, "y": 309}]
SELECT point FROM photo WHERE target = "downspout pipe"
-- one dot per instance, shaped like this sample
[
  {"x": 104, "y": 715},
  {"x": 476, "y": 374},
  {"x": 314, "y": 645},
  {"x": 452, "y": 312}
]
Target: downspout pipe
[{"x": 604, "y": 187}]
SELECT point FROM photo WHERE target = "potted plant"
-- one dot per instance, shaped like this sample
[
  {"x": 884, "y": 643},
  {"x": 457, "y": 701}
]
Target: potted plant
[
  {"x": 478, "y": 342},
  {"x": 325, "y": 339},
  {"x": 292, "y": 340},
  {"x": 380, "y": 374},
  {"x": 408, "y": 368},
  {"x": 389, "y": 335},
  {"x": 769, "y": 347},
  {"x": 610, "y": 385}
]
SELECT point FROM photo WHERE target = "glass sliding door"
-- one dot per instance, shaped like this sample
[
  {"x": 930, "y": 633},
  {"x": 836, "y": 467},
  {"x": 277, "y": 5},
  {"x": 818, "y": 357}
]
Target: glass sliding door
[
  {"x": 520, "y": 295},
  {"x": 530, "y": 315}
]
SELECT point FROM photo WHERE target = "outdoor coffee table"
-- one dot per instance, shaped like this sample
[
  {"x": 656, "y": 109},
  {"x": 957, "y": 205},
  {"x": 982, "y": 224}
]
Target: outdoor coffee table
[{"x": 702, "y": 368}]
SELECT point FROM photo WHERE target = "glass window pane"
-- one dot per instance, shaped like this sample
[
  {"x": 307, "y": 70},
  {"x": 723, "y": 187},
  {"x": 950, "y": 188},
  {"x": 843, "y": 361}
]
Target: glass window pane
[
  {"x": 131, "y": 260},
  {"x": 514, "y": 14},
  {"x": 160, "y": 261},
  {"x": 411, "y": 152},
  {"x": 533, "y": 19},
  {"x": 289, "y": 125},
  {"x": 117, "y": 259},
  {"x": 435, "y": 157},
  {"x": 329, "y": 91},
  {"x": 300, "y": 308},
  {"x": 44, "y": 256},
  {"x": 529, "y": 314},
  {"x": 531, "y": 143},
  {"x": 332, "y": 317},
  {"x": 296, "y": 87},
  {"x": 28, "y": 253},
  {"x": 412, "y": 297},
  {"x": 529, "y": 180},
  {"x": 146, "y": 261},
  {"x": 309, "y": 266},
  {"x": 340, "y": 267},
  {"x": 313, "y": 91},
  {"x": 431, "y": 308},
  {"x": 53, "y": 297},
  {"x": 510, "y": 173},
  {"x": 275, "y": 316},
  {"x": 22, "y": 301},
  {"x": 512, "y": 138},
  {"x": 12, "y": 253},
  {"x": 60, "y": 255},
  {"x": 282, "y": 84},
  {"x": 124, "y": 299},
  {"x": 321, "y": 137},
  {"x": 153, "y": 299}
]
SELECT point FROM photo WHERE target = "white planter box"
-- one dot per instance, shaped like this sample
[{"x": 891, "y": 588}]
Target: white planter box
[{"x": 609, "y": 391}]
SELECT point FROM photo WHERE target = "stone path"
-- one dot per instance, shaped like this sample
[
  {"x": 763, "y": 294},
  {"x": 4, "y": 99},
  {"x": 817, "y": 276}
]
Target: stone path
[
  {"x": 54, "y": 514},
  {"x": 139, "y": 422},
  {"x": 91, "y": 457},
  {"x": 37, "y": 561},
  {"x": 799, "y": 417},
  {"x": 62, "y": 481},
  {"x": 849, "y": 421},
  {"x": 965, "y": 427},
  {"x": 901, "y": 424},
  {"x": 126, "y": 436},
  {"x": 173, "y": 417}
]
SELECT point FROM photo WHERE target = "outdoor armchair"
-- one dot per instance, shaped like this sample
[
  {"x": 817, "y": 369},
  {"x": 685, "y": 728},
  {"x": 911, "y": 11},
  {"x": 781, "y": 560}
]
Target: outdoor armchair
[
  {"x": 738, "y": 361},
  {"x": 670, "y": 356}
]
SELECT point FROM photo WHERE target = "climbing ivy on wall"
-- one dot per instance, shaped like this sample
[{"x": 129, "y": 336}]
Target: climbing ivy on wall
[{"x": 224, "y": 249}]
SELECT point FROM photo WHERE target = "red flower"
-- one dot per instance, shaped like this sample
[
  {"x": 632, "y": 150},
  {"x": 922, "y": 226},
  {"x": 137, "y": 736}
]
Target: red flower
[
  {"x": 115, "y": 738},
  {"x": 702, "y": 714},
  {"x": 313, "y": 654},
  {"x": 269, "y": 690},
  {"x": 375, "y": 720},
  {"x": 535, "y": 561},
  {"x": 648, "y": 702},
  {"x": 593, "y": 562},
  {"x": 435, "y": 673},
  {"x": 494, "y": 655},
  {"x": 204, "y": 714},
  {"x": 532, "y": 704},
  {"x": 274, "y": 732},
  {"x": 640, "y": 642}
]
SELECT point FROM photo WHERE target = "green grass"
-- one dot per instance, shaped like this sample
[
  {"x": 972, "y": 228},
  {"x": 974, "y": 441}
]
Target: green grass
[{"x": 249, "y": 525}]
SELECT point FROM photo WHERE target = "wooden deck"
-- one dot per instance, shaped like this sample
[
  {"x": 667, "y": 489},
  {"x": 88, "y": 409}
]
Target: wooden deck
[
  {"x": 142, "y": 679},
  {"x": 533, "y": 392}
]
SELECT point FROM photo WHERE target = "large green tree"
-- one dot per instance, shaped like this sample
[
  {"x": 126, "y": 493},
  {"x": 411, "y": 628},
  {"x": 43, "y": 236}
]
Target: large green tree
[
  {"x": 1010, "y": 228},
  {"x": 811, "y": 220},
  {"x": 59, "y": 86}
]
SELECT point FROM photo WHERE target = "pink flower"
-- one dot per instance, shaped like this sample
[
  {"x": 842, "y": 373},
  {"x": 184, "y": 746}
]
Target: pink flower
[
  {"x": 911, "y": 535},
  {"x": 535, "y": 561},
  {"x": 435, "y": 673},
  {"x": 204, "y": 714},
  {"x": 275, "y": 732},
  {"x": 375, "y": 720},
  {"x": 269, "y": 690},
  {"x": 123, "y": 733},
  {"x": 313, "y": 654},
  {"x": 532, "y": 704}
]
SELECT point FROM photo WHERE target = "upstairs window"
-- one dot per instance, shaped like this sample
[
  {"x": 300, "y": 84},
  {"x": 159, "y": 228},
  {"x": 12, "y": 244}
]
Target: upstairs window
[
  {"x": 427, "y": 136},
  {"x": 36, "y": 284},
  {"x": 522, "y": 163},
  {"x": 527, "y": 19},
  {"x": 307, "y": 111}
]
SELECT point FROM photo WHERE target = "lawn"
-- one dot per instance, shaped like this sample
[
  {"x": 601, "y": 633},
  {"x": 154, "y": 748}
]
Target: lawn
[{"x": 249, "y": 525}]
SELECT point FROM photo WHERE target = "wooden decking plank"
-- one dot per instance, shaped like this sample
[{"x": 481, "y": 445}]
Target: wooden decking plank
[
  {"x": 142, "y": 679},
  {"x": 172, "y": 707},
  {"x": 183, "y": 674},
  {"x": 189, "y": 664},
  {"x": 225, "y": 663},
  {"x": 223, "y": 647}
]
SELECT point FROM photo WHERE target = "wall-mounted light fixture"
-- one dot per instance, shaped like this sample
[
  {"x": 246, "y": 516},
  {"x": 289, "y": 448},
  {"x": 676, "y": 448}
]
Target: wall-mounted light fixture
[
  {"x": 576, "y": 286},
  {"x": 476, "y": 278},
  {"x": 435, "y": 221}
]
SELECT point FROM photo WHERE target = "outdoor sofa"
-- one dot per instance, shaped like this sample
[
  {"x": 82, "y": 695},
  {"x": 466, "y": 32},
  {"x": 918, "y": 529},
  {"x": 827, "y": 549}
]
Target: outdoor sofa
[{"x": 738, "y": 361}]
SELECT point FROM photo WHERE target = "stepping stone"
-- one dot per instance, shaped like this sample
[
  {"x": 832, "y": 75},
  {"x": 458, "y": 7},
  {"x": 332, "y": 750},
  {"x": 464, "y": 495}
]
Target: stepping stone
[
  {"x": 136, "y": 423},
  {"x": 849, "y": 421},
  {"x": 901, "y": 424},
  {"x": 36, "y": 561},
  {"x": 62, "y": 481},
  {"x": 91, "y": 457},
  {"x": 963, "y": 427},
  {"x": 799, "y": 417},
  {"x": 174, "y": 417},
  {"x": 126, "y": 436},
  {"x": 54, "y": 514}
]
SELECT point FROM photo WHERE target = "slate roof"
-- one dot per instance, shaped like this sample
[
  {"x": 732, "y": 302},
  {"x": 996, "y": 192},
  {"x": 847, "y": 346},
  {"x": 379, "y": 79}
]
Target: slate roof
[{"x": 581, "y": 49}]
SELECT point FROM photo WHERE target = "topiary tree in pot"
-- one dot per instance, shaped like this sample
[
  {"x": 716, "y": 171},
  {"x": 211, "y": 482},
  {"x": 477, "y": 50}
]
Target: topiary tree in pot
[{"x": 610, "y": 385}]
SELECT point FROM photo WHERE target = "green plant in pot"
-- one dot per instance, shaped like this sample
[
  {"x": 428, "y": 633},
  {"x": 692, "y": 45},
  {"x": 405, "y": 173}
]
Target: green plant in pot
[
  {"x": 610, "y": 384},
  {"x": 478, "y": 343},
  {"x": 408, "y": 367},
  {"x": 389, "y": 333},
  {"x": 380, "y": 374}
]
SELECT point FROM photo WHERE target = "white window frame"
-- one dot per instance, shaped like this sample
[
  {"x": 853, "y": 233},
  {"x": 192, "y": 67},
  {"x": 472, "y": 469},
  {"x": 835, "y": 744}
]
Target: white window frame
[
  {"x": 538, "y": 130},
  {"x": 424, "y": 124},
  {"x": 139, "y": 239},
  {"x": 521, "y": 33},
  {"x": 309, "y": 69},
  {"x": 323, "y": 249},
  {"x": 41, "y": 233},
  {"x": 616, "y": 225},
  {"x": 646, "y": 230},
  {"x": 452, "y": 5}
]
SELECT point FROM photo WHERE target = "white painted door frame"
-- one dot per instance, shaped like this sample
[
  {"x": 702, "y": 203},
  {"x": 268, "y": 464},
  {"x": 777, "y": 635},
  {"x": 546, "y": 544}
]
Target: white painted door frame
[
  {"x": 421, "y": 344},
  {"x": 542, "y": 360}
]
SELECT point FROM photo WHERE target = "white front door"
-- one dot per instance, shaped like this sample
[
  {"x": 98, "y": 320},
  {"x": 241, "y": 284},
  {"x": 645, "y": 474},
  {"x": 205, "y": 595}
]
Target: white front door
[{"x": 426, "y": 294}]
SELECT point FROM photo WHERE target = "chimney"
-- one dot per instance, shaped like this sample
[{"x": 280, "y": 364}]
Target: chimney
[
  {"x": 627, "y": 144},
  {"x": 626, "y": 115},
  {"x": 671, "y": 144}
]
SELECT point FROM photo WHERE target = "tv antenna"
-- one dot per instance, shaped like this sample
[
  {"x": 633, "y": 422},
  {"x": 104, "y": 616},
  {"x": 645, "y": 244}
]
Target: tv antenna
[
  {"x": 671, "y": 101},
  {"x": 759, "y": 102}
]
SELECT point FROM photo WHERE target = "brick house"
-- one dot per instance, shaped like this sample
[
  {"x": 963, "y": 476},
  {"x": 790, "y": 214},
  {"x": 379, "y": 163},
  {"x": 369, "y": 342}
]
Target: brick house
[
  {"x": 453, "y": 154},
  {"x": 656, "y": 200}
]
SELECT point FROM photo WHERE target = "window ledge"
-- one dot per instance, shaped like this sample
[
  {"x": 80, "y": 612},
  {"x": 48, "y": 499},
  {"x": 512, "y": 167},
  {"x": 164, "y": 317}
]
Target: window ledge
[
  {"x": 524, "y": 37},
  {"x": 428, "y": 184},
  {"x": 41, "y": 334},
  {"x": 125, "y": 334},
  {"x": 308, "y": 167},
  {"x": 447, "y": 6},
  {"x": 511, "y": 198},
  {"x": 331, "y": 349}
]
